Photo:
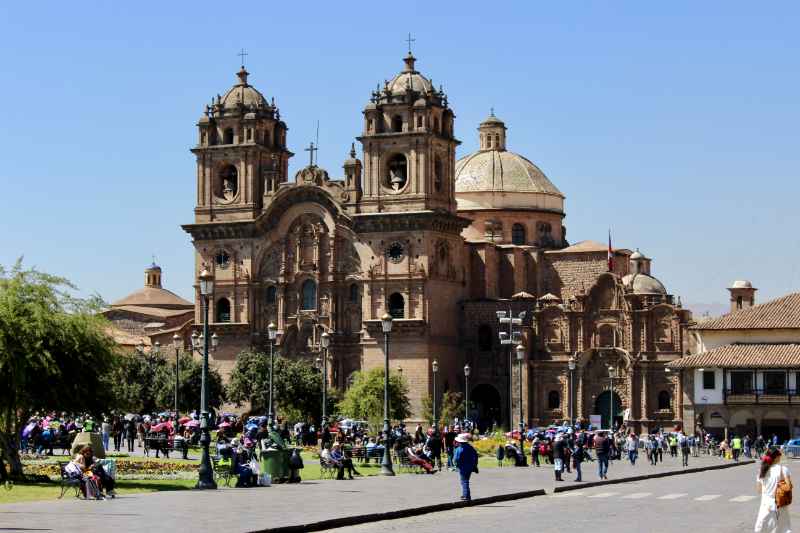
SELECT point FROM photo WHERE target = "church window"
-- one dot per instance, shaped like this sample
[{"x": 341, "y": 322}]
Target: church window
[
  {"x": 438, "y": 171},
  {"x": 553, "y": 400},
  {"x": 663, "y": 400},
  {"x": 436, "y": 125},
  {"x": 203, "y": 138},
  {"x": 223, "y": 310},
  {"x": 485, "y": 338},
  {"x": 354, "y": 293},
  {"x": 419, "y": 121},
  {"x": 249, "y": 134},
  {"x": 397, "y": 305},
  {"x": 223, "y": 259},
  {"x": 272, "y": 294},
  {"x": 395, "y": 252},
  {"x": 605, "y": 336},
  {"x": 397, "y": 172},
  {"x": 227, "y": 136},
  {"x": 397, "y": 123},
  {"x": 228, "y": 183},
  {"x": 738, "y": 302},
  {"x": 309, "y": 291},
  {"x": 488, "y": 141},
  {"x": 497, "y": 140},
  {"x": 518, "y": 234}
]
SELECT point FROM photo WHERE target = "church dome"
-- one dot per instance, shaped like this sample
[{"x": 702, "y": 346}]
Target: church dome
[
  {"x": 513, "y": 180},
  {"x": 741, "y": 284},
  {"x": 243, "y": 93},
  {"x": 409, "y": 78},
  {"x": 643, "y": 284}
]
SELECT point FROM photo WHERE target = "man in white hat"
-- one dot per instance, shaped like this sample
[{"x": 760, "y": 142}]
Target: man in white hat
[{"x": 466, "y": 460}]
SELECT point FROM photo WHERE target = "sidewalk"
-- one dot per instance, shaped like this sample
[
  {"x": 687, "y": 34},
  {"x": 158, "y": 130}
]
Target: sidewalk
[{"x": 303, "y": 507}]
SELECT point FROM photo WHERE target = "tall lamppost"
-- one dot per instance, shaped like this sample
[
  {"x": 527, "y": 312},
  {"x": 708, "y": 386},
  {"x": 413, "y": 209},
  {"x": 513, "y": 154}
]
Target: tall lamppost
[
  {"x": 272, "y": 332},
  {"x": 435, "y": 369},
  {"x": 176, "y": 343},
  {"x": 206, "y": 473},
  {"x": 386, "y": 464},
  {"x": 467, "y": 371},
  {"x": 520, "y": 358},
  {"x": 571, "y": 364},
  {"x": 325, "y": 341},
  {"x": 612, "y": 375},
  {"x": 507, "y": 338}
]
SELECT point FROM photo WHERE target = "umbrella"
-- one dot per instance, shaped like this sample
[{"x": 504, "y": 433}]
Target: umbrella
[
  {"x": 225, "y": 425},
  {"x": 160, "y": 427},
  {"x": 192, "y": 424},
  {"x": 184, "y": 419}
]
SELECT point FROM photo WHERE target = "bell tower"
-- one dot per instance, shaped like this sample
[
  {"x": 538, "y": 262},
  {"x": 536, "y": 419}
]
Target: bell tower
[
  {"x": 241, "y": 154},
  {"x": 409, "y": 147}
]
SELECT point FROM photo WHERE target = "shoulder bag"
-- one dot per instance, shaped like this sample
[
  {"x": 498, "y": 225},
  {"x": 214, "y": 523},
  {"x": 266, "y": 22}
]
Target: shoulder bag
[{"x": 783, "y": 492}]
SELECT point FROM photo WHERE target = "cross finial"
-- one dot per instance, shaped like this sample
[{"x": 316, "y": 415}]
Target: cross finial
[
  {"x": 311, "y": 149},
  {"x": 242, "y": 54},
  {"x": 491, "y": 111},
  {"x": 409, "y": 40}
]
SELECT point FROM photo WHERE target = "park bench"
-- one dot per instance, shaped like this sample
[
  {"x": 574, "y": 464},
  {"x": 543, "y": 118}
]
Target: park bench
[
  {"x": 66, "y": 482},
  {"x": 164, "y": 445},
  {"x": 405, "y": 465},
  {"x": 223, "y": 473},
  {"x": 326, "y": 469}
]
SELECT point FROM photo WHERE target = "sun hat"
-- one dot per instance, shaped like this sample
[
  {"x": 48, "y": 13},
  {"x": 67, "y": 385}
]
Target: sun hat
[{"x": 463, "y": 437}]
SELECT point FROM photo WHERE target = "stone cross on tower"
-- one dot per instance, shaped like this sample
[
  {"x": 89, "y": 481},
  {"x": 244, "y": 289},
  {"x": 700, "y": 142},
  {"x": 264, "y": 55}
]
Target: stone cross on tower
[
  {"x": 242, "y": 54},
  {"x": 409, "y": 40},
  {"x": 311, "y": 148}
]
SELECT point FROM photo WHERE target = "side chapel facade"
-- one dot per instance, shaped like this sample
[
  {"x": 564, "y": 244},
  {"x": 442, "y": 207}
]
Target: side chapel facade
[{"x": 439, "y": 244}]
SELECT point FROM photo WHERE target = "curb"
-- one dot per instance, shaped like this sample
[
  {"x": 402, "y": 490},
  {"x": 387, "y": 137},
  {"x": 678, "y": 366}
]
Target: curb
[
  {"x": 654, "y": 475},
  {"x": 401, "y": 513},
  {"x": 448, "y": 506}
]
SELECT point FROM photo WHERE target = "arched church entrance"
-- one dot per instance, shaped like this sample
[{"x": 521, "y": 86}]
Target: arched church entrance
[
  {"x": 609, "y": 406},
  {"x": 484, "y": 406}
]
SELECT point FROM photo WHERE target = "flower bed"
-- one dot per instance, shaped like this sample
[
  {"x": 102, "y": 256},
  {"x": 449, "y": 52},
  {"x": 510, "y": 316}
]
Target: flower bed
[{"x": 126, "y": 469}]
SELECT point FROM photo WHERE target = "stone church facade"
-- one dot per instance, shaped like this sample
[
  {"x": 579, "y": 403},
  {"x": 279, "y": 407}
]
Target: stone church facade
[{"x": 439, "y": 244}]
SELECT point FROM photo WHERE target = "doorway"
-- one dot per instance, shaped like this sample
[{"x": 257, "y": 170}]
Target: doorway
[
  {"x": 485, "y": 407},
  {"x": 609, "y": 406}
]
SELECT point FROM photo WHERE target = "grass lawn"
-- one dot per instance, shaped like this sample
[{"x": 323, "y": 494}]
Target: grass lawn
[{"x": 50, "y": 491}]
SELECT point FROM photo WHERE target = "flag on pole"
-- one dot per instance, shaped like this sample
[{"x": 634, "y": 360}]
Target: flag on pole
[{"x": 610, "y": 253}]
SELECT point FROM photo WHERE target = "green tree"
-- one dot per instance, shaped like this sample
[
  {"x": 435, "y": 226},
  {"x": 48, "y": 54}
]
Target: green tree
[
  {"x": 364, "y": 399},
  {"x": 191, "y": 377},
  {"x": 451, "y": 405},
  {"x": 54, "y": 354},
  {"x": 297, "y": 388},
  {"x": 134, "y": 382}
]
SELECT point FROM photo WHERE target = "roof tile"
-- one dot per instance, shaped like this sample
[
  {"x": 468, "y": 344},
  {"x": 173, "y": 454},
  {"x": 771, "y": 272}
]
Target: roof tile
[
  {"x": 744, "y": 356},
  {"x": 781, "y": 313}
]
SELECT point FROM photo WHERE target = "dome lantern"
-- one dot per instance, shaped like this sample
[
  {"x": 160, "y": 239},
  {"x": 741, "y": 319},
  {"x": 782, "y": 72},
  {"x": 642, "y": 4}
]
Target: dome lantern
[{"x": 492, "y": 133}]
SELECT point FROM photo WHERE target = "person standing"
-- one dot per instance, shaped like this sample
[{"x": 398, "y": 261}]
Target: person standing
[
  {"x": 116, "y": 431},
  {"x": 449, "y": 446},
  {"x": 683, "y": 444},
  {"x": 434, "y": 444},
  {"x": 602, "y": 447},
  {"x": 771, "y": 518},
  {"x": 466, "y": 460},
  {"x": 652, "y": 453},
  {"x": 558, "y": 456},
  {"x": 105, "y": 429},
  {"x": 632, "y": 444},
  {"x": 577, "y": 460},
  {"x": 736, "y": 447}
]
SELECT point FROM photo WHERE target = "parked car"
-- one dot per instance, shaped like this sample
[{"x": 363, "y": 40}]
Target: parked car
[{"x": 791, "y": 448}]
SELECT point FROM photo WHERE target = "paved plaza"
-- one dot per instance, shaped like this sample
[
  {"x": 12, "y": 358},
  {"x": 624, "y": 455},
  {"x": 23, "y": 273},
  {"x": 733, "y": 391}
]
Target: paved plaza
[
  {"x": 311, "y": 502},
  {"x": 720, "y": 501}
]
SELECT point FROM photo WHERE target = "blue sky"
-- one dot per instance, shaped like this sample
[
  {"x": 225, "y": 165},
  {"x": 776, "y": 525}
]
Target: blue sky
[{"x": 673, "y": 123}]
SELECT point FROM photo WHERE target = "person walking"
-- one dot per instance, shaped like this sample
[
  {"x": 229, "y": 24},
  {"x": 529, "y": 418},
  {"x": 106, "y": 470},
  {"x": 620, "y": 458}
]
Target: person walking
[
  {"x": 466, "y": 460},
  {"x": 577, "y": 460},
  {"x": 683, "y": 444},
  {"x": 105, "y": 428},
  {"x": 632, "y": 445},
  {"x": 673, "y": 445},
  {"x": 130, "y": 434},
  {"x": 736, "y": 447},
  {"x": 535, "y": 451},
  {"x": 652, "y": 452},
  {"x": 771, "y": 518},
  {"x": 116, "y": 432},
  {"x": 602, "y": 447}
]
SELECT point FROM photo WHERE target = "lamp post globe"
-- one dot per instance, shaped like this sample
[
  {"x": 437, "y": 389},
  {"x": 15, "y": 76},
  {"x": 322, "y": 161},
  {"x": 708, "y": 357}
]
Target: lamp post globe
[
  {"x": 206, "y": 472},
  {"x": 386, "y": 463}
]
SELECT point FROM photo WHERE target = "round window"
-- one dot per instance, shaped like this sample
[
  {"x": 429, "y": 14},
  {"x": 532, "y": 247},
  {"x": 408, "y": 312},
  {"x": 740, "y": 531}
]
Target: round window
[
  {"x": 395, "y": 252},
  {"x": 223, "y": 259}
]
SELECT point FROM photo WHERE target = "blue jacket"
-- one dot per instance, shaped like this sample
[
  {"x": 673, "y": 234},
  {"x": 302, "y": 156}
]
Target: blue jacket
[{"x": 466, "y": 458}]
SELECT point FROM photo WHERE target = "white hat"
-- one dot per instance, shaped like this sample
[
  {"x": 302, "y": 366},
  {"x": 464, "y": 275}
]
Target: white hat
[{"x": 463, "y": 437}]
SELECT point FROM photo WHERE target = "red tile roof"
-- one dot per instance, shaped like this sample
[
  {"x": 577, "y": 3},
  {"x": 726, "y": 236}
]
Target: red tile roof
[
  {"x": 781, "y": 313},
  {"x": 744, "y": 356}
]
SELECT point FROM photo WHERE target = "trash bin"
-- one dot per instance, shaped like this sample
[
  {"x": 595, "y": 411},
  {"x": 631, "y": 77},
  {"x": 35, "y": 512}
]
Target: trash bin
[{"x": 275, "y": 463}]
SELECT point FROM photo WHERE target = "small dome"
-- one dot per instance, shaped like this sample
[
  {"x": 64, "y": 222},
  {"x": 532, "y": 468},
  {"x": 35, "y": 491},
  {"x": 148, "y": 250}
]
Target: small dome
[
  {"x": 637, "y": 255},
  {"x": 741, "y": 284},
  {"x": 502, "y": 171},
  {"x": 243, "y": 93},
  {"x": 410, "y": 78},
  {"x": 492, "y": 120},
  {"x": 643, "y": 284}
]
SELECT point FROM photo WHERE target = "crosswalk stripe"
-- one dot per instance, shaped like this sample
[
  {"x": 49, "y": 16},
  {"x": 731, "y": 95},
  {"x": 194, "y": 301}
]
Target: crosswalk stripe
[
  {"x": 673, "y": 496},
  {"x": 707, "y": 497},
  {"x": 604, "y": 495},
  {"x": 637, "y": 495},
  {"x": 742, "y": 498},
  {"x": 568, "y": 494}
]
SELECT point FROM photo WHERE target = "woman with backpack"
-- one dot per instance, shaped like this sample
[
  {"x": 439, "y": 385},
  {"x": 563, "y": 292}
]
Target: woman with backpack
[{"x": 772, "y": 482}]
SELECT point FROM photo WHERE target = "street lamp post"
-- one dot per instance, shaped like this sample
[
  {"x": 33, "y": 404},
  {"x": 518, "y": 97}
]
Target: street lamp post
[
  {"x": 571, "y": 364},
  {"x": 612, "y": 375},
  {"x": 467, "y": 371},
  {"x": 511, "y": 337},
  {"x": 325, "y": 341},
  {"x": 386, "y": 464},
  {"x": 435, "y": 368},
  {"x": 272, "y": 331},
  {"x": 206, "y": 472},
  {"x": 176, "y": 343},
  {"x": 520, "y": 358}
]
